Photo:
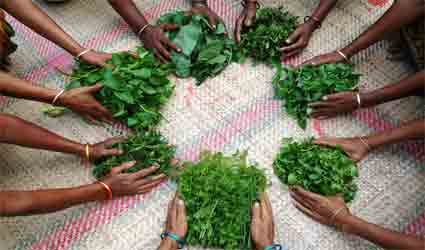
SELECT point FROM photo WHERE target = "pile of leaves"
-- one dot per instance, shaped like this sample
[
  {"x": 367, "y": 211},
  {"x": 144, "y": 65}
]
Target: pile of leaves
[
  {"x": 263, "y": 39},
  {"x": 148, "y": 148},
  {"x": 219, "y": 192},
  {"x": 205, "y": 51},
  {"x": 135, "y": 87},
  {"x": 307, "y": 84},
  {"x": 319, "y": 169}
]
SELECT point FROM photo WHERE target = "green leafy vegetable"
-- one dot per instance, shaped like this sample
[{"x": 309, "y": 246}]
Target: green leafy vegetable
[
  {"x": 263, "y": 39},
  {"x": 319, "y": 169},
  {"x": 148, "y": 148},
  {"x": 205, "y": 52},
  {"x": 135, "y": 89},
  {"x": 307, "y": 84},
  {"x": 219, "y": 192}
]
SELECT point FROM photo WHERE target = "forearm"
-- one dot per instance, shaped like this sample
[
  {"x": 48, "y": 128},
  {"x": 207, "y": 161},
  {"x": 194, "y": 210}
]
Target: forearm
[
  {"x": 14, "y": 130},
  {"x": 395, "y": 18},
  {"x": 32, "y": 16},
  {"x": 14, "y": 203},
  {"x": 410, "y": 131},
  {"x": 168, "y": 244},
  {"x": 322, "y": 11},
  {"x": 406, "y": 87},
  {"x": 11, "y": 86},
  {"x": 383, "y": 237},
  {"x": 128, "y": 10}
]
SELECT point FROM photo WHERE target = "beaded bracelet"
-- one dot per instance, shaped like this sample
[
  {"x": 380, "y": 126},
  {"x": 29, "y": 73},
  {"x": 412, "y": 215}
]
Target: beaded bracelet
[
  {"x": 175, "y": 237},
  {"x": 274, "y": 247}
]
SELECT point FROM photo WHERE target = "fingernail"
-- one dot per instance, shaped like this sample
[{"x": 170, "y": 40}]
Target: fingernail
[
  {"x": 120, "y": 151},
  {"x": 256, "y": 205},
  {"x": 325, "y": 98},
  {"x": 133, "y": 162},
  {"x": 288, "y": 41},
  {"x": 180, "y": 202}
]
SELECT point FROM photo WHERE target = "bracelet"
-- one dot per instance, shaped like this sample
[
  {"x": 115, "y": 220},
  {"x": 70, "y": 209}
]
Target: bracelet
[
  {"x": 108, "y": 189},
  {"x": 359, "y": 101},
  {"x": 365, "y": 143},
  {"x": 175, "y": 237},
  {"x": 143, "y": 29},
  {"x": 315, "y": 19},
  {"x": 57, "y": 96},
  {"x": 88, "y": 152},
  {"x": 344, "y": 56},
  {"x": 336, "y": 214},
  {"x": 274, "y": 247},
  {"x": 82, "y": 53}
]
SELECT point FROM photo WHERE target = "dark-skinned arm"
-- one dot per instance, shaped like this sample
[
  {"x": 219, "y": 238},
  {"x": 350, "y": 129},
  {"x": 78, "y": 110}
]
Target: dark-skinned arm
[
  {"x": 132, "y": 16},
  {"x": 400, "y": 14}
]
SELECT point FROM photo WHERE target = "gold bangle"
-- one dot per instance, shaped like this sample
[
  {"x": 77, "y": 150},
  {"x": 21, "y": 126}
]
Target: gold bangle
[
  {"x": 336, "y": 214},
  {"x": 82, "y": 53},
  {"x": 107, "y": 189},
  {"x": 344, "y": 56},
  {"x": 365, "y": 143},
  {"x": 55, "y": 99},
  {"x": 88, "y": 151}
]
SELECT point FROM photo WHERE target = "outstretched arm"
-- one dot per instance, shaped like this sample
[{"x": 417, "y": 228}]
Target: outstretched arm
[{"x": 32, "y": 16}]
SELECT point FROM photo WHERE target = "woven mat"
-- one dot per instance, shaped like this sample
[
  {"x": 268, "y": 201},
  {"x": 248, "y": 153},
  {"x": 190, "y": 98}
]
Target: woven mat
[{"x": 235, "y": 110}]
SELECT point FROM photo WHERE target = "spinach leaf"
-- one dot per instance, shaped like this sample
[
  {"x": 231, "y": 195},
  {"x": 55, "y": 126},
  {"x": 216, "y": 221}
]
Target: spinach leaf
[
  {"x": 307, "y": 84},
  {"x": 319, "y": 169},
  {"x": 219, "y": 192}
]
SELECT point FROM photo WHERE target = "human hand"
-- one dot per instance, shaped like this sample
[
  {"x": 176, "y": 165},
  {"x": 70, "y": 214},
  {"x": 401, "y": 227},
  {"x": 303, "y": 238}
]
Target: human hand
[
  {"x": 213, "y": 18},
  {"x": 298, "y": 40},
  {"x": 153, "y": 38},
  {"x": 176, "y": 218},
  {"x": 330, "y": 211},
  {"x": 246, "y": 18},
  {"x": 334, "y": 104},
  {"x": 262, "y": 225},
  {"x": 104, "y": 149},
  {"x": 96, "y": 58},
  {"x": 136, "y": 183},
  {"x": 82, "y": 101},
  {"x": 355, "y": 148},
  {"x": 332, "y": 57}
]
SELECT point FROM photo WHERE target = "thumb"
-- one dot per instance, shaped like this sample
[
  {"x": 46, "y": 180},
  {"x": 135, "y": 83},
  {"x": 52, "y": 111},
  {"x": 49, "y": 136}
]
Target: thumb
[
  {"x": 123, "y": 167},
  {"x": 250, "y": 17},
  {"x": 256, "y": 212},
  {"x": 334, "y": 97},
  {"x": 95, "y": 88},
  {"x": 293, "y": 37}
]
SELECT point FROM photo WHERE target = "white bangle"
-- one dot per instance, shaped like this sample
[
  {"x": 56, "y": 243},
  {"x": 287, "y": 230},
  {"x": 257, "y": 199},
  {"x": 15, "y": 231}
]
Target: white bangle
[
  {"x": 82, "y": 53},
  {"x": 359, "y": 100},
  {"x": 57, "y": 96},
  {"x": 143, "y": 29},
  {"x": 343, "y": 55}
]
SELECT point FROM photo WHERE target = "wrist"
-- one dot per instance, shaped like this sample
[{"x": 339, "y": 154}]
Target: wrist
[
  {"x": 167, "y": 244},
  {"x": 262, "y": 246},
  {"x": 348, "y": 52},
  {"x": 348, "y": 224},
  {"x": 312, "y": 22},
  {"x": 199, "y": 3}
]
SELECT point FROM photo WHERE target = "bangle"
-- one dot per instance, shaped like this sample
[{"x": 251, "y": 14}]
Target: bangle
[
  {"x": 365, "y": 143},
  {"x": 82, "y": 53},
  {"x": 143, "y": 29},
  {"x": 88, "y": 152},
  {"x": 57, "y": 96},
  {"x": 107, "y": 189},
  {"x": 274, "y": 247},
  {"x": 359, "y": 100},
  {"x": 175, "y": 237},
  {"x": 315, "y": 19},
  {"x": 344, "y": 56},
  {"x": 336, "y": 214}
]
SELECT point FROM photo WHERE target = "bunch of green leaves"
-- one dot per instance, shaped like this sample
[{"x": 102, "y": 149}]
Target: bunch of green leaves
[
  {"x": 148, "y": 148},
  {"x": 219, "y": 192},
  {"x": 271, "y": 29},
  {"x": 307, "y": 84},
  {"x": 134, "y": 87},
  {"x": 205, "y": 52},
  {"x": 319, "y": 169}
]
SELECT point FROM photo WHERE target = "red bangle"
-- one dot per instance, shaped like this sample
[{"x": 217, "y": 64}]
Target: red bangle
[{"x": 107, "y": 188}]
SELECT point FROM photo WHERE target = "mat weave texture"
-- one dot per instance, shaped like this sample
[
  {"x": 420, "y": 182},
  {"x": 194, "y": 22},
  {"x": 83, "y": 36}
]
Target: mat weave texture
[{"x": 235, "y": 110}]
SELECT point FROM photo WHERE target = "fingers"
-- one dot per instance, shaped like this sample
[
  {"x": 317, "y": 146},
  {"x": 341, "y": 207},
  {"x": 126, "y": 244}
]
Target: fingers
[
  {"x": 95, "y": 88},
  {"x": 320, "y": 105},
  {"x": 305, "y": 210},
  {"x": 326, "y": 142},
  {"x": 168, "y": 26},
  {"x": 149, "y": 180},
  {"x": 159, "y": 56},
  {"x": 238, "y": 28},
  {"x": 112, "y": 141},
  {"x": 334, "y": 97},
  {"x": 145, "y": 172},
  {"x": 148, "y": 187},
  {"x": 112, "y": 152},
  {"x": 164, "y": 52},
  {"x": 213, "y": 21},
  {"x": 104, "y": 114},
  {"x": 123, "y": 167},
  {"x": 250, "y": 17},
  {"x": 305, "y": 194},
  {"x": 294, "y": 37},
  {"x": 256, "y": 213},
  {"x": 171, "y": 45},
  {"x": 90, "y": 119},
  {"x": 181, "y": 211}
]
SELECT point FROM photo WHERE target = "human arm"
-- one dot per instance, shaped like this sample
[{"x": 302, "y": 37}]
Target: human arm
[
  {"x": 246, "y": 18},
  {"x": 391, "y": 21},
  {"x": 176, "y": 224},
  {"x": 332, "y": 211},
  {"x": 80, "y": 100},
  {"x": 300, "y": 38},
  {"x": 14, "y": 130},
  {"x": 152, "y": 36},
  {"x": 343, "y": 102},
  {"x": 36, "y": 19},
  {"x": 13, "y": 203}
]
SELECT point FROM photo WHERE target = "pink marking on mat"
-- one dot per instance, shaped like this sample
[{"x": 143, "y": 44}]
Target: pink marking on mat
[
  {"x": 378, "y": 3},
  {"x": 372, "y": 120},
  {"x": 416, "y": 227},
  {"x": 318, "y": 128}
]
